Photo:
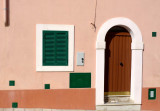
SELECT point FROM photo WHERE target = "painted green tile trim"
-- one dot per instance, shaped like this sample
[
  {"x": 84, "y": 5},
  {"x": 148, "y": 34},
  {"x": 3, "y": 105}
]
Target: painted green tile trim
[
  {"x": 47, "y": 86},
  {"x": 55, "y": 48},
  {"x": 80, "y": 80},
  {"x": 152, "y": 94},
  {"x": 154, "y": 34},
  {"x": 14, "y": 105},
  {"x": 11, "y": 83}
]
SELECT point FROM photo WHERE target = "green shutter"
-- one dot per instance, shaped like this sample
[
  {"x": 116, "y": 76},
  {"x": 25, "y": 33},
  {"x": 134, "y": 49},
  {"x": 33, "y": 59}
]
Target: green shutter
[{"x": 55, "y": 48}]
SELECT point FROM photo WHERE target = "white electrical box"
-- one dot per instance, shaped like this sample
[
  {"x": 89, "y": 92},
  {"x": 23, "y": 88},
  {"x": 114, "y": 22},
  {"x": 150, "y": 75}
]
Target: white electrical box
[{"x": 80, "y": 58}]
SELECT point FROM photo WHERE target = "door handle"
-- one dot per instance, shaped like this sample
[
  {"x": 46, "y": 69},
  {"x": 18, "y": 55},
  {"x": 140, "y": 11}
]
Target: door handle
[{"x": 121, "y": 64}]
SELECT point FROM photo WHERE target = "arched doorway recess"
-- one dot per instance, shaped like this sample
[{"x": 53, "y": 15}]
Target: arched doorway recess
[
  {"x": 136, "y": 58},
  {"x": 117, "y": 64}
]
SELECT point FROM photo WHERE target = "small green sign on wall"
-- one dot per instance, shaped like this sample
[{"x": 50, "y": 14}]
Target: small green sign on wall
[
  {"x": 80, "y": 80},
  {"x": 14, "y": 105},
  {"x": 152, "y": 94},
  {"x": 154, "y": 34},
  {"x": 11, "y": 83},
  {"x": 47, "y": 86}
]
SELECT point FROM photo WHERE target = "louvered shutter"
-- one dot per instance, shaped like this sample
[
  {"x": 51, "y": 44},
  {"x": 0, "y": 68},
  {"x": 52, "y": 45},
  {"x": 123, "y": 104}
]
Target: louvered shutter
[{"x": 55, "y": 48}]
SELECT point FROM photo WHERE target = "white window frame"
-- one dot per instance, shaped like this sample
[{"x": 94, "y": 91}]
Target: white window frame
[{"x": 39, "y": 39}]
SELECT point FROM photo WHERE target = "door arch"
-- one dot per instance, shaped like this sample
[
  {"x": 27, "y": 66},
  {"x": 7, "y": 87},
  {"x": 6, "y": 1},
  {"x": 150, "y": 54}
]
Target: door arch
[{"x": 136, "y": 59}]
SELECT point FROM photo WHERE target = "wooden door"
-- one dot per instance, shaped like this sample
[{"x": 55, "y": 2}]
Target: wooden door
[{"x": 117, "y": 63}]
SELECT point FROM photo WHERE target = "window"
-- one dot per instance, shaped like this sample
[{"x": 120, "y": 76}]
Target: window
[{"x": 54, "y": 47}]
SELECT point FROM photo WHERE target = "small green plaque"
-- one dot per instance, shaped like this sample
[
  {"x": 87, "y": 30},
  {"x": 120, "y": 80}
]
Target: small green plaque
[
  {"x": 80, "y": 80},
  {"x": 154, "y": 34},
  {"x": 47, "y": 86},
  {"x": 11, "y": 83},
  {"x": 14, "y": 105},
  {"x": 152, "y": 94}
]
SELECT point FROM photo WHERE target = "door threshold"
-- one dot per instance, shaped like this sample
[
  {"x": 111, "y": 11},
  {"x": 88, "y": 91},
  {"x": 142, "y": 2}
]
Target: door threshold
[
  {"x": 119, "y": 107},
  {"x": 118, "y": 99},
  {"x": 118, "y": 104},
  {"x": 117, "y": 95}
]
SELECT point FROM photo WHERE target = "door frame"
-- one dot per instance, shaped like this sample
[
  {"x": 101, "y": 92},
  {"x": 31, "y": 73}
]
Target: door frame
[{"x": 136, "y": 58}]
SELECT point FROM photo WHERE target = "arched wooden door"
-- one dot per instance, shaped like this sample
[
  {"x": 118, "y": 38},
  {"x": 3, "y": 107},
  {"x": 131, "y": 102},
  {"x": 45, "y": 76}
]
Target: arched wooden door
[{"x": 117, "y": 62}]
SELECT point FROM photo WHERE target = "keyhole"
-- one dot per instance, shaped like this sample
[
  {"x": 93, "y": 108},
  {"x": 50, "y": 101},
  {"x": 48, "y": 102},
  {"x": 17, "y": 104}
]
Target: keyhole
[
  {"x": 121, "y": 64},
  {"x": 82, "y": 60}
]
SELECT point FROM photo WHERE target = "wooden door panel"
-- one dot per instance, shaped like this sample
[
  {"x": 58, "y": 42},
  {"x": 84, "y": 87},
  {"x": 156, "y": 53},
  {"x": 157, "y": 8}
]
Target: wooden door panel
[
  {"x": 115, "y": 63},
  {"x": 119, "y": 74},
  {"x": 118, "y": 49}
]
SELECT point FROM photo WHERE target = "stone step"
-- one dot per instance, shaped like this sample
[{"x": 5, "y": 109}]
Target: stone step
[
  {"x": 117, "y": 99},
  {"x": 120, "y": 107}
]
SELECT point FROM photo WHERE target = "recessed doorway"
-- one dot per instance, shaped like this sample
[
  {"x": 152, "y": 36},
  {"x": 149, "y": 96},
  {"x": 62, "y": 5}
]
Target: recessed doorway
[
  {"x": 136, "y": 58},
  {"x": 117, "y": 64}
]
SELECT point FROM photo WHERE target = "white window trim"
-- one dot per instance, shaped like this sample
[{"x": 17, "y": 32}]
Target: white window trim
[
  {"x": 39, "y": 29},
  {"x": 136, "y": 59}
]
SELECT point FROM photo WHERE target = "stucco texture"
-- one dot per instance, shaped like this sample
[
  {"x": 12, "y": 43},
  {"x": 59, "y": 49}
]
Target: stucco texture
[
  {"x": 51, "y": 99},
  {"x": 18, "y": 41}
]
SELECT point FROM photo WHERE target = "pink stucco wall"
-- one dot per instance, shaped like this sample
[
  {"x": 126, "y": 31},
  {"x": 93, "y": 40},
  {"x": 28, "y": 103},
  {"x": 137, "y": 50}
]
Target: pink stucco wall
[{"x": 18, "y": 41}]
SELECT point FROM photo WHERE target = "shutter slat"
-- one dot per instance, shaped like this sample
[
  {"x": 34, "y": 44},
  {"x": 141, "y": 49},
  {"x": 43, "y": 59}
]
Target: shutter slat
[
  {"x": 61, "y": 57},
  {"x": 49, "y": 62},
  {"x": 49, "y": 36},
  {"x": 61, "y": 48},
  {"x": 49, "y": 57},
  {"x": 49, "y": 45},
  {"x": 61, "y": 37},
  {"x": 49, "y": 52},
  {"x": 61, "y": 52},
  {"x": 49, "y": 49},
  {"x": 49, "y": 40}
]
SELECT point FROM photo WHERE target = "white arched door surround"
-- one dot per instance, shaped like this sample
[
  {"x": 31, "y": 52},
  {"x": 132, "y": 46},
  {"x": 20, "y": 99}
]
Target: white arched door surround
[{"x": 136, "y": 59}]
